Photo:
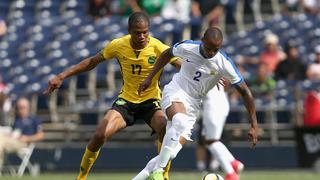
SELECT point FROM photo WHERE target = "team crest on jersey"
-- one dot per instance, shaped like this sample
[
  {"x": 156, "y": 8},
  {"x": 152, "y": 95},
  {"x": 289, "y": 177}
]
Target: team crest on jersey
[
  {"x": 152, "y": 59},
  {"x": 212, "y": 73},
  {"x": 120, "y": 102}
]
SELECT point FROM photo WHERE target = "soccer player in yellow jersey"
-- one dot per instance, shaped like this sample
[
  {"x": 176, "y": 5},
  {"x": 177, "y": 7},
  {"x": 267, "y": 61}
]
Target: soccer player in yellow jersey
[{"x": 136, "y": 54}]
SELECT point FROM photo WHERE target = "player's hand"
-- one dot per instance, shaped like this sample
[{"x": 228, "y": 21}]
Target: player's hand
[
  {"x": 222, "y": 82},
  {"x": 53, "y": 84},
  {"x": 144, "y": 85},
  {"x": 253, "y": 135}
]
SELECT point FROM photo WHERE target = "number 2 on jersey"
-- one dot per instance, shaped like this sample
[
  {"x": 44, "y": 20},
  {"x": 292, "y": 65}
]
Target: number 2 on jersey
[
  {"x": 197, "y": 76},
  {"x": 136, "y": 67}
]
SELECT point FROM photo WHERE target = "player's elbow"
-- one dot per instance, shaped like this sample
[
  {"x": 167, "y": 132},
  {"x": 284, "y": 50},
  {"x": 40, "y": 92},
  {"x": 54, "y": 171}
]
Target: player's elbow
[{"x": 167, "y": 54}]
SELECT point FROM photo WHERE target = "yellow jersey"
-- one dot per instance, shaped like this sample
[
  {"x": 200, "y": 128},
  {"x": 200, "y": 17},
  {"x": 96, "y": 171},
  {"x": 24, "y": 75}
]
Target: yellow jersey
[{"x": 135, "y": 66}]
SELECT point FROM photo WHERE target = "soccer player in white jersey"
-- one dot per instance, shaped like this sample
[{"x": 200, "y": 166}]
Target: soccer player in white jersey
[
  {"x": 215, "y": 111},
  {"x": 204, "y": 64}
]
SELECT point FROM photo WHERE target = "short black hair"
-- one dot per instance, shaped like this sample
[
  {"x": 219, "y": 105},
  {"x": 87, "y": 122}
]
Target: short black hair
[
  {"x": 213, "y": 33},
  {"x": 137, "y": 17},
  {"x": 290, "y": 45}
]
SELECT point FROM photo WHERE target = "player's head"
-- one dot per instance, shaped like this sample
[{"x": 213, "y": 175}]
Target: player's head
[
  {"x": 138, "y": 27},
  {"x": 211, "y": 41}
]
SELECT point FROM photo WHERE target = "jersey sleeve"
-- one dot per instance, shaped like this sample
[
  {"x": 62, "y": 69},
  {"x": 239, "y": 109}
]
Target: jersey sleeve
[
  {"x": 108, "y": 52},
  {"x": 178, "y": 49},
  {"x": 230, "y": 71}
]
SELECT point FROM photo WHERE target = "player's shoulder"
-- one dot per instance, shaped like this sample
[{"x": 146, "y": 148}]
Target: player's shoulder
[
  {"x": 224, "y": 55},
  {"x": 225, "y": 58},
  {"x": 121, "y": 40},
  {"x": 156, "y": 42},
  {"x": 187, "y": 43},
  {"x": 188, "y": 46}
]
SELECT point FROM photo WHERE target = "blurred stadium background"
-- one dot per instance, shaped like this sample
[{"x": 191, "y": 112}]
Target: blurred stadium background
[{"x": 45, "y": 36}]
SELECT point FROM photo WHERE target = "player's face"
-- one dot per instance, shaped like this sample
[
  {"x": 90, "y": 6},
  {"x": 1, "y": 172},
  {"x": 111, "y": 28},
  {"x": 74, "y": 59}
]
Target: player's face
[
  {"x": 139, "y": 34},
  {"x": 210, "y": 48}
]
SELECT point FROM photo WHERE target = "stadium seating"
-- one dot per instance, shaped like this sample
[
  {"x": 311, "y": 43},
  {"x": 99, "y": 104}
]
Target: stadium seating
[{"x": 45, "y": 37}]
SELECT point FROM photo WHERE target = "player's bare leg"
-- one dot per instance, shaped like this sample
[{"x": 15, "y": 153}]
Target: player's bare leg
[{"x": 111, "y": 123}]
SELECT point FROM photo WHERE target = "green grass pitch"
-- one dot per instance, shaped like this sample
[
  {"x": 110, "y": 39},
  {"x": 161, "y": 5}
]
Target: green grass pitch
[{"x": 247, "y": 175}]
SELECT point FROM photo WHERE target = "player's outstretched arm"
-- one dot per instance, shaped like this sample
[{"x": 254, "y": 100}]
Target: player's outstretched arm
[
  {"x": 249, "y": 103},
  {"x": 177, "y": 63},
  {"x": 85, "y": 65},
  {"x": 161, "y": 62}
]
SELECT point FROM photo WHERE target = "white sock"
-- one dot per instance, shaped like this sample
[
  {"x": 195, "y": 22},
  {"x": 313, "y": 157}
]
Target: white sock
[
  {"x": 218, "y": 150},
  {"x": 144, "y": 174},
  {"x": 175, "y": 151},
  {"x": 170, "y": 147},
  {"x": 171, "y": 139},
  {"x": 201, "y": 165},
  {"x": 214, "y": 165},
  {"x": 170, "y": 142},
  {"x": 226, "y": 152}
]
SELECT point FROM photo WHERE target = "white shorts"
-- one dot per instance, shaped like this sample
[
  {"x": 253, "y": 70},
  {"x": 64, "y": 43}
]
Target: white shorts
[
  {"x": 215, "y": 111},
  {"x": 173, "y": 93}
]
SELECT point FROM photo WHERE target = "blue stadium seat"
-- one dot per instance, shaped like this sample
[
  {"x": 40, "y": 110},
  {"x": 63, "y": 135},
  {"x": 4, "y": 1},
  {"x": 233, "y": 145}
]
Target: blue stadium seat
[
  {"x": 58, "y": 33},
  {"x": 285, "y": 99},
  {"x": 101, "y": 72},
  {"x": 308, "y": 85},
  {"x": 284, "y": 93},
  {"x": 109, "y": 97}
]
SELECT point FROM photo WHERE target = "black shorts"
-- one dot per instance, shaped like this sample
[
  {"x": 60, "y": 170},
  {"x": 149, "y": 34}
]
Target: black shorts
[{"x": 132, "y": 112}]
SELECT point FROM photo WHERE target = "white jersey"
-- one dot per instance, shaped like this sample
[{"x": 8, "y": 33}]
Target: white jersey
[{"x": 198, "y": 74}]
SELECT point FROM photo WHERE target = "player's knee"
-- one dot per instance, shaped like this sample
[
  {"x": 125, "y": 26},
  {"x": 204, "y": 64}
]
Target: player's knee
[{"x": 180, "y": 122}]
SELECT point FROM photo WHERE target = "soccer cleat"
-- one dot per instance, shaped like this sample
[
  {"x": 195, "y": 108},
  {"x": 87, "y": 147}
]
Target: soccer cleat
[
  {"x": 156, "y": 175},
  {"x": 232, "y": 176},
  {"x": 237, "y": 166}
]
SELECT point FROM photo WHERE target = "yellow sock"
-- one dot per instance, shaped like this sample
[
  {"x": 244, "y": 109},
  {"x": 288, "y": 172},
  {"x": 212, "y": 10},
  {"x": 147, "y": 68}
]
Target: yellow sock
[
  {"x": 87, "y": 161},
  {"x": 167, "y": 169}
]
